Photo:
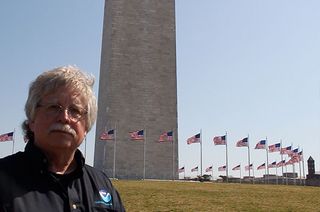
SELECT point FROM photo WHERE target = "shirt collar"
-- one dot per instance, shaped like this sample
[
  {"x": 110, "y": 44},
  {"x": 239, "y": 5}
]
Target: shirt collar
[{"x": 40, "y": 161}]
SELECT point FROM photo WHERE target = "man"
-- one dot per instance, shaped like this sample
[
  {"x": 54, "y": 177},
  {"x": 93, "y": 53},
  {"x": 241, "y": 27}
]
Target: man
[{"x": 50, "y": 175}]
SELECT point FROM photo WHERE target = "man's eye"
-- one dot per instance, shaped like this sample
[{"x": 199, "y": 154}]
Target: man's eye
[
  {"x": 53, "y": 108},
  {"x": 74, "y": 111}
]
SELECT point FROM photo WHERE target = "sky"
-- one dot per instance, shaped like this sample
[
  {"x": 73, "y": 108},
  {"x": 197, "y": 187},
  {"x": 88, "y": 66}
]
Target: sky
[{"x": 245, "y": 68}]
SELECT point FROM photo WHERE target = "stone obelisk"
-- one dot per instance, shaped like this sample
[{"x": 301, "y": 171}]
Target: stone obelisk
[{"x": 138, "y": 90}]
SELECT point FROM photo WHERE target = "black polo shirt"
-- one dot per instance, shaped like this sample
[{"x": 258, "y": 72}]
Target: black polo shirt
[{"x": 26, "y": 185}]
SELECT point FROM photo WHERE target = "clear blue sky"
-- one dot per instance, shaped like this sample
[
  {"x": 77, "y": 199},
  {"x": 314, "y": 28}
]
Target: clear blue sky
[{"x": 245, "y": 67}]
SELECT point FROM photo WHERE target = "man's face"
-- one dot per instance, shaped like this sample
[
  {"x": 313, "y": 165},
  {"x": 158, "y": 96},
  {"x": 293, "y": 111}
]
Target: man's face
[{"x": 55, "y": 127}]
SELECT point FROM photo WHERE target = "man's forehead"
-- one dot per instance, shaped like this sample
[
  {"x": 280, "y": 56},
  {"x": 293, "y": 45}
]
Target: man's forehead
[{"x": 65, "y": 95}]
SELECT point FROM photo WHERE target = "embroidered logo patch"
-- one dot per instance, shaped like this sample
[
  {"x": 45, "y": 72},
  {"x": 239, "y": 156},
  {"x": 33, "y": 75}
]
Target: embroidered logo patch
[{"x": 106, "y": 198}]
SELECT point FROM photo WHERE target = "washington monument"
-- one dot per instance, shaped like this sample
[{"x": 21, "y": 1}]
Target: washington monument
[{"x": 138, "y": 91}]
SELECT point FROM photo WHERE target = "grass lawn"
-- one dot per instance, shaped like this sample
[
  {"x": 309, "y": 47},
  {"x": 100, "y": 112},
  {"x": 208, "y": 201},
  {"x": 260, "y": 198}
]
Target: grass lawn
[{"x": 195, "y": 196}]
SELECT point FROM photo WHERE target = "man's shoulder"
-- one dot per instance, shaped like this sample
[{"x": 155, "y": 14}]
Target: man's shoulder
[
  {"x": 95, "y": 172},
  {"x": 107, "y": 193},
  {"x": 13, "y": 159},
  {"x": 97, "y": 177}
]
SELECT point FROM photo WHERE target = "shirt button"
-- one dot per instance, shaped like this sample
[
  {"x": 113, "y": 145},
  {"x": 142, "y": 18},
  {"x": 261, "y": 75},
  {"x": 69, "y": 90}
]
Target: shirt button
[{"x": 74, "y": 206}]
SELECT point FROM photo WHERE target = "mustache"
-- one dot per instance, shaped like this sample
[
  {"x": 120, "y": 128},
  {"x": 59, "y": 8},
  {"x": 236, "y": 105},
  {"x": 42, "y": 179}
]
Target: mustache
[{"x": 62, "y": 127}]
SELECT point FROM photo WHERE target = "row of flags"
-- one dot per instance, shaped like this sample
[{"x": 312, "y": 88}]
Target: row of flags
[
  {"x": 137, "y": 135},
  {"x": 294, "y": 154},
  {"x": 262, "y": 144},
  {"x": 274, "y": 164}
]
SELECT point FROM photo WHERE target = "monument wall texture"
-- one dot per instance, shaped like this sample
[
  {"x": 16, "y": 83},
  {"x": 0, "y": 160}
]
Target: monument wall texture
[{"x": 138, "y": 89}]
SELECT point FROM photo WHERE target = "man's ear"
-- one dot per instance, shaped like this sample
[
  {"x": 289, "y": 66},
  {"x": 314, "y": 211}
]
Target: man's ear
[{"x": 31, "y": 125}]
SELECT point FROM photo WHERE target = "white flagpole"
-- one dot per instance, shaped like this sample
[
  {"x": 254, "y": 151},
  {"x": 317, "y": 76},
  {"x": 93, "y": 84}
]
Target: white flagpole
[
  {"x": 114, "y": 150},
  {"x": 286, "y": 175},
  {"x": 252, "y": 173},
  {"x": 300, "y": 172},
  {"x": 227, "y": 168},
  {"x": 249, "y": 157},
  {"x": 240, "y": 173},
  {"x": 104, "y": 156},
  {"x": 300, "y": 179},
  {"x": 267, "y": 160},
  {"x": 277, "y": 174},
  {"x": 212, "y": 171},
  {"x": 294, "y": 172},
  {"x": 13, "y": 138},
  {"x": 173, "y": 139},
  {"x": 85, "y": 147},
  {"x": 201, "y": 152},
  {"x": 144, "y": 152},
  {"x": 303, "y": 173},
  {"x": 282, "y": 177},
  {"x": 104, "y": 151}
]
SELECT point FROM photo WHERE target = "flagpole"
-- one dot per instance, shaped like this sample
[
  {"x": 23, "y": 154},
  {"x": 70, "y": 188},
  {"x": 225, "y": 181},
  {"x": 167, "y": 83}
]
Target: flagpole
[
  {"x": 252, "y": 174},
  {"x": 300, "y": 177},
  {"x": 249, "y": 157},
  {"x": 201, "y": 151},
  {"x": 267, "y": 160},
  {"x": 286, "y": 175},
  {"x": 13, "y": 138},
  {"x": 294, "y": 172},
  {"x": 114, "y": 150},
  {"x": 265, "y": 172},
  {"x": 277, "y": 174},
  {"x": 240, "y": 173},
  {"x": 303, "y": 173},
  {"x": 144, "y": 153},
  {"x": 173, "y": 139},
  {"x": 227, "y": 168},
  {"x": 85, "y": 147},
  {"x": 104, "y": 156},
  {"x": 212, "y": 171},
  {"x": 282, "y": 177}
]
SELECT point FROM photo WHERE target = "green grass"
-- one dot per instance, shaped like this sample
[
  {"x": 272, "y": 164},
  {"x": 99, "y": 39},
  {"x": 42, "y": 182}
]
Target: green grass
[{"x": 194, "y": 196}]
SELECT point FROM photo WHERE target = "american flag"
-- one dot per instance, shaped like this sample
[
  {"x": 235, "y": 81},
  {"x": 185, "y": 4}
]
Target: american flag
[
  {"x": 195, "y": 169},
  {"x": 290, "y": 162},
  {"x": 273, "y": 164},
  {"x": 236, "y": 168},
  {"x": 285, "y": 150},
  {"x": 194, "y": 139},
  {"x": 262, "y": 166},
  {"x": 136, "y": 135},
  {"x": 209, "y": 169},
  {"x": 294, "y": 152},
  {"x": 294, "y": 159},
  {"x": 222, "y": 168},
  {"x": 281, "y": 163},
  {"x": 6, "y": 137},
  {"x": 243, "y": 143},
  {"x": 261, "y": 144},
  {"x": 248, "y": 167},
  {"x": 219, "y": 140},
  {"x": 274, "y": 147},
  {"x": 166, "y": 136},
  {"x": 107, "y": 135},
  {"x": 181, "y": 170}
]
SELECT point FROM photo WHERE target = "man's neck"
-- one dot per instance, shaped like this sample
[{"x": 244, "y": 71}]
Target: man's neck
[{"x": 61, "y": 164}]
